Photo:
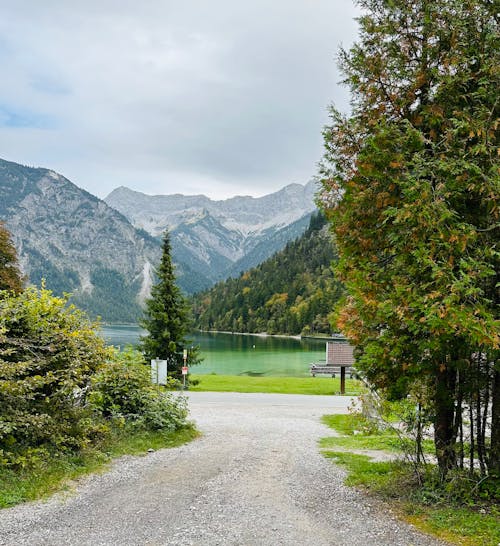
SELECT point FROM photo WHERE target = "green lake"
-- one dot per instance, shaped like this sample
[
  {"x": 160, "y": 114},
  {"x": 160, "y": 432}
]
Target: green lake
[{"x": 235, "y": 354}]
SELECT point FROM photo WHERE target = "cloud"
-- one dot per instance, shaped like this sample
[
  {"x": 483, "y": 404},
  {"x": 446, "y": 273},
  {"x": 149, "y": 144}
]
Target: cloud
[{"x": 219, "y": 97}]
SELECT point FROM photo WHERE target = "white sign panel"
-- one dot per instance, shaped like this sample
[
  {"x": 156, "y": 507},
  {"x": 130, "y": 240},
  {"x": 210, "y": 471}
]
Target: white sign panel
[{"x": 159, "y": 371}]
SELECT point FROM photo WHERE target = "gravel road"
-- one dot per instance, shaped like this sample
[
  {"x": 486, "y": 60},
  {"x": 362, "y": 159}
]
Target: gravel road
[{"x": 255, "y": 477}]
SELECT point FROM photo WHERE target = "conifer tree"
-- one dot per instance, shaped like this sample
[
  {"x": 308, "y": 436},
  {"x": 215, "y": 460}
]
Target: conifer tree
[
  {"x": 10, "y": 275},
  {"x": 411, "y": 184},
  {"x": 167, "y": 318}
]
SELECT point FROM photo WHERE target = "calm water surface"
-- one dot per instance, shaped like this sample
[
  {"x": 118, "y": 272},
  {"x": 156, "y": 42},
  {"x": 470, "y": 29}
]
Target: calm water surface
[{"x": 233, "y": 354}]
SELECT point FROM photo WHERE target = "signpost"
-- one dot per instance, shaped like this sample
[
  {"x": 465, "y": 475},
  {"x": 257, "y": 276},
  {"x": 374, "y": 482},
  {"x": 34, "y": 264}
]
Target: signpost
[{"x": 184, "y": 368}]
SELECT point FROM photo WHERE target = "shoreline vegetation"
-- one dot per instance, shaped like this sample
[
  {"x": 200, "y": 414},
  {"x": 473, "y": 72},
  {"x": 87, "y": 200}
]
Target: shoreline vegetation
[
  {"x": 257, "y": 334},
  {"x": 326, "y": 337}
]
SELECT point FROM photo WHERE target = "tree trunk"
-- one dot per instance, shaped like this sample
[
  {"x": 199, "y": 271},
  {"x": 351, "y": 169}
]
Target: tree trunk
[
  {"x": 444, "y": 434},
  {"x": 494, "y": 458},
  {"x": 472, "y": 437}
]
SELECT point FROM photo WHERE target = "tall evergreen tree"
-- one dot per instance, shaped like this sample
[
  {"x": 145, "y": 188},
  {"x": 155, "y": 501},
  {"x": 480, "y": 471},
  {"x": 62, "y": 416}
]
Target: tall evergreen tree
[
  {"x": 167, "y": 318},
  {"x": 10, "y": 275},
  {"x": 411, "y": 184}
]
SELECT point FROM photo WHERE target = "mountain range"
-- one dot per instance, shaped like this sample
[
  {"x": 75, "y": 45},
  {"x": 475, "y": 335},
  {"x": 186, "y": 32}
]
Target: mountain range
[
  {"x": 220, "y": 238},
  {"x": 104, "y": 252}
]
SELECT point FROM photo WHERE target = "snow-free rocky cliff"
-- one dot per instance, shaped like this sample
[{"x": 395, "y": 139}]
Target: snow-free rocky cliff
[
  {"x": 76, "y": 242},
  {"x": 220, "y": 238}
]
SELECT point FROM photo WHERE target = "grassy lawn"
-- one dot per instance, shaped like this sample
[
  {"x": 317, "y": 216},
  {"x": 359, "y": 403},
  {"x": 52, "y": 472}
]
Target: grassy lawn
[
  {"x": 57, "y": 474},
  {"x": 270, "y": 384},
  {"x": 461, "y": 520}
]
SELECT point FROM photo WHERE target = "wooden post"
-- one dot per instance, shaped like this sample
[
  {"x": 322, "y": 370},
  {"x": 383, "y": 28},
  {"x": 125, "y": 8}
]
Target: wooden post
[{"x": 342, "y": 379}]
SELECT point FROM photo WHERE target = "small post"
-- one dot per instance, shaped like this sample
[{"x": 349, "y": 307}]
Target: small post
[
  {"x": 184, "y": 369},
  {"x": 342, "y": 379}
]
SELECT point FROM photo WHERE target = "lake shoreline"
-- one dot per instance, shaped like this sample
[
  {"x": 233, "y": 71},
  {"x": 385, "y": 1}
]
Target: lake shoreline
[
  {"x": 299, "y": 337},
  {"x": 257, "y": 334}
]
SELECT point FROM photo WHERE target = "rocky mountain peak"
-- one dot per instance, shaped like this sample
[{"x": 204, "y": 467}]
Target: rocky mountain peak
[
  {"x": 214, "y": 236},
  {"x": 248, "y": 215}
]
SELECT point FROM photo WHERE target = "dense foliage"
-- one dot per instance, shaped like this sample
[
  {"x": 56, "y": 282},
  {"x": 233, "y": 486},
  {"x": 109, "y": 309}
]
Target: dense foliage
[
  {"x": 48, "y": 353},
  {"x": 10, "y": 275},
  {"x": 122, "y": 390},
  {"x": 411, "y": 185},
  {"x": 61, "y": 389},
  {"x": 167, "y": 319},
  {"x": 290, "y": 293}
]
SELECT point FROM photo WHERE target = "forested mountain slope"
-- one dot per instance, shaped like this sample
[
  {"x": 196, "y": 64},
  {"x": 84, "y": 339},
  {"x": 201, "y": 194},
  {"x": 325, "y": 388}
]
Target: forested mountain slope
[
  {"x": 76, "y": 242},
  {"x": 290, "y": 293}
]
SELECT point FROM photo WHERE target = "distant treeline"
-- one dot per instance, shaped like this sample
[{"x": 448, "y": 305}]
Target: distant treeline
[{"x": 292, "y": 292}]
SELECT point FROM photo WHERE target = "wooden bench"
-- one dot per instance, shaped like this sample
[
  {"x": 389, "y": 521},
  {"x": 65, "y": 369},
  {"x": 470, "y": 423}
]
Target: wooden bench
[{"x": 328, "y": 369}]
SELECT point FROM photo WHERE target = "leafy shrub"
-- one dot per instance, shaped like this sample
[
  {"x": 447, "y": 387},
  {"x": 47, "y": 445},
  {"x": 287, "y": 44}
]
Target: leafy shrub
[
  {"x": 48, "y": 352},
  {"x": 164, "y": 411},
  {"x": 122, "y": 390},
  {"x": 120, "y": 385},
  {"x": 59, "y": 383}
]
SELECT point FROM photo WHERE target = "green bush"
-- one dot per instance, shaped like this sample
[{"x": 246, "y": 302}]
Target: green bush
[
  {"x": 49, "y": 350},
  {"x": 62, "y": 390},
  {"x": 122, "y": 390},
  {"x": 120, "y": 385}
]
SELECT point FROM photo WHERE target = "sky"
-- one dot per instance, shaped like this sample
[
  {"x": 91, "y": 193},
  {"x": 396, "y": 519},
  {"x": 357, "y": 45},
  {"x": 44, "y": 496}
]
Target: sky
[{"x": 213, "y": 97}]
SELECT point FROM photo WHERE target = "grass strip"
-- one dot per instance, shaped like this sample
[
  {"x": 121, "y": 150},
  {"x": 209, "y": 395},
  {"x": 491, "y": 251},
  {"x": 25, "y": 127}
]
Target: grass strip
[
  {"x": 359, "y": 433},
  {"x": 457, "y": 524},
  {"x": 386, "y": 442},
  {"x": 271, "y": 384},
  {"x": 465, "y": 523},
  {"x": 47, "y": 477},
  {"x": 362, "y": 470}
]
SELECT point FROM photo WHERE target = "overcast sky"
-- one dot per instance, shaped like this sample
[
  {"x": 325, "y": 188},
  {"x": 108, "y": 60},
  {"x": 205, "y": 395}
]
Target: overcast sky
[{"x": 220, "y": 97}]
